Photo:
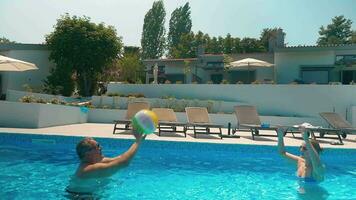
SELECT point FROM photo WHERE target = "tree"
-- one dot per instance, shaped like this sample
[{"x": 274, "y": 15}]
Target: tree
[
  {"x": 268, "y": 33},
  {"x": 251, "y": 45},
  {"x": 130, "y": 68},
  {"x": 228, "y": 44},
  {"x": 220, "y": 44},
  {"x": 60, "y": 81},
  {"x": 199, "y": 39},
  {"x": 353, "y": 37},
  {"x": 132, "y": 50},
  {"x": 338, "y": 32},
  {"x": 186, "y": 47},
  {"x": 4, "y": 40},
  {"x": 179, "y": 24},
  {"x": 153, "y": 40},
  {"x": 237, "y": 45},
  {"x": 214, "y": 45},
  {"x": 83, "y": 48}
]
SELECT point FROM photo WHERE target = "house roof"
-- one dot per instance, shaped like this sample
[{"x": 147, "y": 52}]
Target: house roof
[
  {"x": 301, "y": 48},
  {"x": 19, "y": 46},
  {"x": 170, "y": 59}
]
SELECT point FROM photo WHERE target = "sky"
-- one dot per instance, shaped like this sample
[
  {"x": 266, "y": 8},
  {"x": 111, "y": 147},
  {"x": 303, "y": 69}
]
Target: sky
[{"x": 28, "y": 21}]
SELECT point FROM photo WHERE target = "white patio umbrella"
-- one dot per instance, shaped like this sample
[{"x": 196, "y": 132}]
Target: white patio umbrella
[
  {"x": 11, "y": 64},
  {"x": 248, "y": 63}
]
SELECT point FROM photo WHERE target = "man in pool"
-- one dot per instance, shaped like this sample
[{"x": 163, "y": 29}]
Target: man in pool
[
  {"x": 94, "y": 167},
  {"x": 309, "y": 165}
]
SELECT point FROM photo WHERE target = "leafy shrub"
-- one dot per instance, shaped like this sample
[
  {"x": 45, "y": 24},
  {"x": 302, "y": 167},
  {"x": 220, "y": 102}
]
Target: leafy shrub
[
  {"x": 105, "y": 107},
  {"x": 167, "y": 97},
  {"x": 210, "y": 82},
  {"x": 136, "y": 95},
  {"x": 27, "y": 88},
  {"x": 113, "y": 94},
  {"x": 167, "y": 82},
  {"x": 224, "y": 81},
  {"x": 55, "y": 101},
  {"x": 179, "y": 82},
  {"x": 40, "y": 100},
  {"x": 28, "y": 99}
]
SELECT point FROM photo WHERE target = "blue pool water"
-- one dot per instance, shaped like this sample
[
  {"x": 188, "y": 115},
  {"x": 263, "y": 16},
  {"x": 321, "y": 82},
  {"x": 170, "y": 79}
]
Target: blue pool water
[{"x": 39, "y": 167}]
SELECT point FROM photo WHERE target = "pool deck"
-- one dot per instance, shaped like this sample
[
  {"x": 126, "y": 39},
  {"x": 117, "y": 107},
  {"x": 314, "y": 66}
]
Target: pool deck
[{"x": 105, "y": 130}]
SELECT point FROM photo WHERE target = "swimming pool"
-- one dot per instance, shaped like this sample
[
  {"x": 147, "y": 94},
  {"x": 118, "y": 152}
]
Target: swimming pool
[{"x": 39, "y": 167}]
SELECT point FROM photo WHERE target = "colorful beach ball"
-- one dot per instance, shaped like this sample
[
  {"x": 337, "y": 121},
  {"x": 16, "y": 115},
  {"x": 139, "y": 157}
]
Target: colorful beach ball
[{"x": 145, "y": 121}]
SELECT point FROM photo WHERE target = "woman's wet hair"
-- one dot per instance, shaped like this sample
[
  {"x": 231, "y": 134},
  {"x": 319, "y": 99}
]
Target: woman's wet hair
[{"x": 316, "y": 146}]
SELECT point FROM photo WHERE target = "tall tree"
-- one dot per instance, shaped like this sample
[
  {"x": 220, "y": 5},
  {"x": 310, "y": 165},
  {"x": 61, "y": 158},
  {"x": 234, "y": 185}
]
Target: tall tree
[
  {"x": 186, "y": 47},
  {"x": 84, "y": 48},
  {"x": 153, "y": 40},
  {"x": 179, "y": 24},
  {"x": 338, "y": 32}
]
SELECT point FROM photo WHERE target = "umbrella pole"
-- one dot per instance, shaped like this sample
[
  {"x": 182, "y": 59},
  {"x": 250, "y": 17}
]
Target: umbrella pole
[{"x": 248, "y": 71}]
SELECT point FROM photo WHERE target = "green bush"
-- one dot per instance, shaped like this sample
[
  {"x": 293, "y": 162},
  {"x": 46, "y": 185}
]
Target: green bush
[
  {"x": 137, "y": 95},
  {"x": 224, "y": 82},
  {"x": 113, "y": 94},
  {"x": 40, "y": 100},
  {"x": 55, "y": 101},
  {"x": 28, "y": 99}
]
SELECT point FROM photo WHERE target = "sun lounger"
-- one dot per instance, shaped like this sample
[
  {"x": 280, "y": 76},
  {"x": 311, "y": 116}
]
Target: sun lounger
[
  {"x": 340, "y": 126},
  {"x": 248, "y": 118},
  {"x": 132, "y": 109},
  {"x": 167, "y": 121},
  {"x": 198, "y": 119}
]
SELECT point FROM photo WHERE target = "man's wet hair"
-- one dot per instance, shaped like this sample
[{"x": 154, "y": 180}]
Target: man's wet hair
[{"x": 84, "y": 146}]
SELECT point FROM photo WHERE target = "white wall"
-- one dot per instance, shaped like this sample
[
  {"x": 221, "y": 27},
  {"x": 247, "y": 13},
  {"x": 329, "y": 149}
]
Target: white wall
[
  {"x": 34, "y": 115},
  {"x": 15, "y": 95},
  {"x": 270, "y": 100}
]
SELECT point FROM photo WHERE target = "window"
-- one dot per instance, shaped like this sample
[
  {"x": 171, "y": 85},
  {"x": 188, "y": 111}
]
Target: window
[
  {"x": 214, "y": 64},
  {"x": 315, "y": 75},
  {"x": 161, "y": 70},
  {"x": 216, "y": 78},
  {"x": 347, "y": 60}
]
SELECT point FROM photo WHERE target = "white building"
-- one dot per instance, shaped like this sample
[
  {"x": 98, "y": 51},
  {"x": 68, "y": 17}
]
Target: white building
[
  {"x": 34, "y": 53},
  {"x": 316, "y": 64}
]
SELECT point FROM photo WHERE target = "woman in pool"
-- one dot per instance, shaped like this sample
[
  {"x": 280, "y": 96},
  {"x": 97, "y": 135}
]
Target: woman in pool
[
  {"x": 94, "y": 167},
  {"x": 309, "y": 165}
]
